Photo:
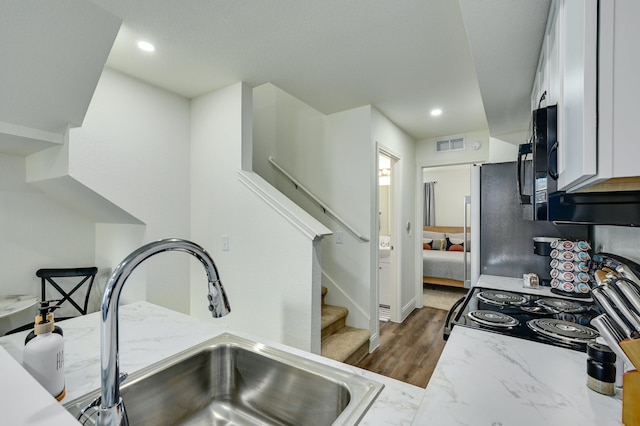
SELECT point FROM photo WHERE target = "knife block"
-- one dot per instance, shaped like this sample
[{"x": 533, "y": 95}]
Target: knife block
[
  {"x": 631, "y": 348},
  {"x": 630, "y": 398}
]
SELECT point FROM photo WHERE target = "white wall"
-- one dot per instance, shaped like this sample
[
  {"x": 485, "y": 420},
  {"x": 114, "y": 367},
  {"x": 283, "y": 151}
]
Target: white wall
[
  {"x": 36, "y": 231},
  {"x": 322, "y": 153},
  {"x": 136, "y": 151},
  {"x": 453, "y": 184},
  {"x": 334, "y": 156},
  {"x": 391, "y": 138},
  {"x": 384, "y": 193},
  {"x": 133, "y": 149},
  {"x": 347, "y": 183},
  {"x": 270, "y": 271},
  {"x": 620, "y": 240},
  {"x": 502, "y": 152},
  {"x": 426, "y": 155}
]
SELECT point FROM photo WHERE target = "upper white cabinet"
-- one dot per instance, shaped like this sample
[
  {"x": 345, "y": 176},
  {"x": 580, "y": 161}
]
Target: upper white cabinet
[
  {"x": 587, "y": 67},
  {"x": 577, "y": 46},
  {"x": 546, "y": 89},
  {"x": 619, "y": 89}
]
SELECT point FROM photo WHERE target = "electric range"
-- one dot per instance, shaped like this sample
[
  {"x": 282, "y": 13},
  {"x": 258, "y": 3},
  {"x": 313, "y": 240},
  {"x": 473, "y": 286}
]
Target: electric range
[{"x": 551, "y": 320}]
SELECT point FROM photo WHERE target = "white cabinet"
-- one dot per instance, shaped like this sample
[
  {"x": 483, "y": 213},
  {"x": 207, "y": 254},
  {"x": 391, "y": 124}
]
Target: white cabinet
[
  {"x": 578, "y": 27},
  {"x": 540, "y": 85},
  {"x": 552, "y": 39},
  {"x": 587, "y": 67},
  {"x": 546, "y": 87},
  {"x": 384, "y": 281},
  {"x": 619, "y": 90}
]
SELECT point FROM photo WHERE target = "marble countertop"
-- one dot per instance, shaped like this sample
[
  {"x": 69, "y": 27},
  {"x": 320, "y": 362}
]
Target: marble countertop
[
  {"x": 485, "y": 378},
  {"x": 12, "y": 304},
  {"x": 150, "y": 333},
  {"x": 16, "y": 310},
  {"x": 481, "y": 378}
]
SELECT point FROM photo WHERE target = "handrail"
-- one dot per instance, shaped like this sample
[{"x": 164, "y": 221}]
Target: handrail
[{"x": 322, "y": 205}]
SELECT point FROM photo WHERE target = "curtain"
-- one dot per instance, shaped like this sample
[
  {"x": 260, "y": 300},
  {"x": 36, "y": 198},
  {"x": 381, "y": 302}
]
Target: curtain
[{"x": 429, "y": 210}]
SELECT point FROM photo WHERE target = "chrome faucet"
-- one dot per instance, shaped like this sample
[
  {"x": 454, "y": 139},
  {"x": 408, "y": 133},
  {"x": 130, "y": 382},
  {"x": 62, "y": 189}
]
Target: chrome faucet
[{"x": 112, "y": 411}]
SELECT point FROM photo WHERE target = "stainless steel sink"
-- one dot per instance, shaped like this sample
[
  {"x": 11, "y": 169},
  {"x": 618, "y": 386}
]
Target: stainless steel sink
[{"x": 229, "y": 380}]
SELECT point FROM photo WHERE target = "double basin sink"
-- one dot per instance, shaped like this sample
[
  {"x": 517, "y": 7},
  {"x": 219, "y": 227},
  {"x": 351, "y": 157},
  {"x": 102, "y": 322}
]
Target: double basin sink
[{"x": 230, "y": 380}]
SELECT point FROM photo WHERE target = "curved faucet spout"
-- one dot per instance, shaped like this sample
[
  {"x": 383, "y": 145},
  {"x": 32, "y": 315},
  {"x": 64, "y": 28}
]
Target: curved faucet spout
[{"x": 111, "y": 408}]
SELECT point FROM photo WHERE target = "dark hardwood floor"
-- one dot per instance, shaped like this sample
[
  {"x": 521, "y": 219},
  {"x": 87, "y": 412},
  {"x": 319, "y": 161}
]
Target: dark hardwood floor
[{"x": 409, "y": 351}]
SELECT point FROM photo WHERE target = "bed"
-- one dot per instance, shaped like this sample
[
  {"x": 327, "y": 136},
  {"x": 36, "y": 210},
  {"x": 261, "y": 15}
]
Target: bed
[{"x": 443, "y": 255}]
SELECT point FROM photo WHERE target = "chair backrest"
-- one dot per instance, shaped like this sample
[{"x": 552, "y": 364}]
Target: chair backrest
[{"x": 78, "y": 283}]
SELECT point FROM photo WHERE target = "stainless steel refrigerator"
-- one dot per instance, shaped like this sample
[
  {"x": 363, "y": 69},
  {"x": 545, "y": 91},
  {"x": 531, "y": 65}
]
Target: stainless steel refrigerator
[{"x": 501, "y": 239}]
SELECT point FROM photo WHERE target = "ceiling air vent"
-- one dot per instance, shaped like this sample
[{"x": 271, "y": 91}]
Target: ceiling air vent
[{"x": 447, "y": 145}]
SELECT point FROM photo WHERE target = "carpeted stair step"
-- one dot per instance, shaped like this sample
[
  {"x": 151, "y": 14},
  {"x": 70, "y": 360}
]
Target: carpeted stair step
[
  {"x": 333, "y": 319},
  {"x": 348, "y": 345}
]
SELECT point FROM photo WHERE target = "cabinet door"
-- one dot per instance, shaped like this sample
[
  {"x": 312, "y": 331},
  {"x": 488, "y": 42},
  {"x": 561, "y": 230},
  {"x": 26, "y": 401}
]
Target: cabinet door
[
  {"x": 553, "y": 57},
  {"x": 619, "y": 89},
  {"x": 577, "y": 152},
  {"x": 540, "y": 85},
  {"x": 384, "y": 282}
]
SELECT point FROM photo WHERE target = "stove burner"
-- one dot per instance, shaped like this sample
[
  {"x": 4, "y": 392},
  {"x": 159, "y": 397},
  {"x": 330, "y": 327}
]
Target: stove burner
[
  {"x": 493, "y": 319},
  {"x": 536, "y": 310},
  {"x": 561, "y": 305},
  {"x": 563, "y": 330},
  {"x": 501, "y": 298}
]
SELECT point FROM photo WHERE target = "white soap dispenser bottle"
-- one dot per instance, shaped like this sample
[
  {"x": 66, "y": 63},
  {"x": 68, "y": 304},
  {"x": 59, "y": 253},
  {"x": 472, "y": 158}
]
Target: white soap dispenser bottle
[{"x": 43, "y": 355}]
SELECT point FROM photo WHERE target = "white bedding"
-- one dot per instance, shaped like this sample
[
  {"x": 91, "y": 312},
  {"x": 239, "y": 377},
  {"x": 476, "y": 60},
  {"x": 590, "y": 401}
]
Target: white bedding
[{"x": 445, "y": 264}]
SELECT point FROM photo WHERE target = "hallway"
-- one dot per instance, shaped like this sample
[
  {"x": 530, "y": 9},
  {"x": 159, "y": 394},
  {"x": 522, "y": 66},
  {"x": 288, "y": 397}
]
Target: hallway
[{"x": 409, "y": 351}]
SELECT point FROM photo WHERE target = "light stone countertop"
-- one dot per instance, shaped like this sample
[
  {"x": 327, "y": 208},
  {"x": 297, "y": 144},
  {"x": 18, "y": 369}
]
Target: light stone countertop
[
  {"x": 17, "y": 310},
  {"x": 148, "y": 334},
  {"x": 481, "y": 378},
  {"x": 12, "y": 304},
  {"x": 485, "y": 378}
]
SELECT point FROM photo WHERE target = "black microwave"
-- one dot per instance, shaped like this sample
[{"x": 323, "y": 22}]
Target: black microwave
[{"x": 537, "y": 164}]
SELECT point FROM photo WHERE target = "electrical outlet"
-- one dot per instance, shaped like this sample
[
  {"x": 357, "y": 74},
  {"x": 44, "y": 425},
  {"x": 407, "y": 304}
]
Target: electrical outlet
[
  {"x": 225, "y": 243},
  {"x": 339, "y": 237}
]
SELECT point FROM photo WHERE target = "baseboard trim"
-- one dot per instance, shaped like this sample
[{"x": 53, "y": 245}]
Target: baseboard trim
[
  {"x": 374, "y": 342},
  {"x": 408, "y": 308}
]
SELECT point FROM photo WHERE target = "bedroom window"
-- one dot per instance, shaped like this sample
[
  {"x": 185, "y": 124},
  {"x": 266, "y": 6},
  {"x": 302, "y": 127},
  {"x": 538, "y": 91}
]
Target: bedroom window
[{"x": 453, "y": 144}]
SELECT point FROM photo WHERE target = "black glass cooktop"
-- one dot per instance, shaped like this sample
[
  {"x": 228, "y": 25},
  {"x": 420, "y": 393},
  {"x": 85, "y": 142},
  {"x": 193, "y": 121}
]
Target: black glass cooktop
[{"x": 547, "y": 319}]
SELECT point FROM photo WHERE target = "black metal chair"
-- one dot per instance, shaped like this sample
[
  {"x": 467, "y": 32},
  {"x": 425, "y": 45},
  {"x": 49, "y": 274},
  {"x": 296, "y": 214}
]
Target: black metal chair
[
  {"x": 53, "y": 278},
  {"x": 86, "y": 275}
]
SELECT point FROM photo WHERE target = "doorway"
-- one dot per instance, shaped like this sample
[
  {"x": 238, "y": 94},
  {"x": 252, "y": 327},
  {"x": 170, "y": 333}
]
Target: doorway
[
  {"x": 445, "y": 224},
  {"x": 387, "y": 257}
]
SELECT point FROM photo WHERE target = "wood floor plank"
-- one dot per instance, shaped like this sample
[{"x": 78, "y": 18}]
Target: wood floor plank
[{"x": 409, "y": 351}]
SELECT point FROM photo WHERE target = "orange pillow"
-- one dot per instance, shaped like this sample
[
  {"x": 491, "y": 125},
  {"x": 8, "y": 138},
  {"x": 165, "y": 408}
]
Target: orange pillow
[
  {"x": 427, "y": 244},
  {"x": 454, "y": 244}
]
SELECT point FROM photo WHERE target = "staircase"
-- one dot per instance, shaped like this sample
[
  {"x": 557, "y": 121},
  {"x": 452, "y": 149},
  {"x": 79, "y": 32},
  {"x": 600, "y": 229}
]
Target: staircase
[{"x": 340, "y": 342}]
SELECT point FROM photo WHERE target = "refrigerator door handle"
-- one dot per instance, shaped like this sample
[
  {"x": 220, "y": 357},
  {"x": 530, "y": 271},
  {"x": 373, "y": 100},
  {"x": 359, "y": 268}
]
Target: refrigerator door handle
[{"x": 465, "y": 246}]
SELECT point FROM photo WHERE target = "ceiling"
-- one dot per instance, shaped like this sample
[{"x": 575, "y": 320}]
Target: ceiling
[{"x": 405, "y": 57}]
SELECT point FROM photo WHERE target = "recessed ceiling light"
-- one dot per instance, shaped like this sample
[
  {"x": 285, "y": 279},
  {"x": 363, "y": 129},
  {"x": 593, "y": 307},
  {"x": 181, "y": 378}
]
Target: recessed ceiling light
[
  {"x": 146, "y": 46},
  {"x": 436, "y": 112}
]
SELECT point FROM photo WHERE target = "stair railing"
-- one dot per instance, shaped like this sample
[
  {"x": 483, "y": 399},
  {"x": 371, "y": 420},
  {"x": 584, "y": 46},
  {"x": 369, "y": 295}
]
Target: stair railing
[{"x": 322, "y": 205}]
